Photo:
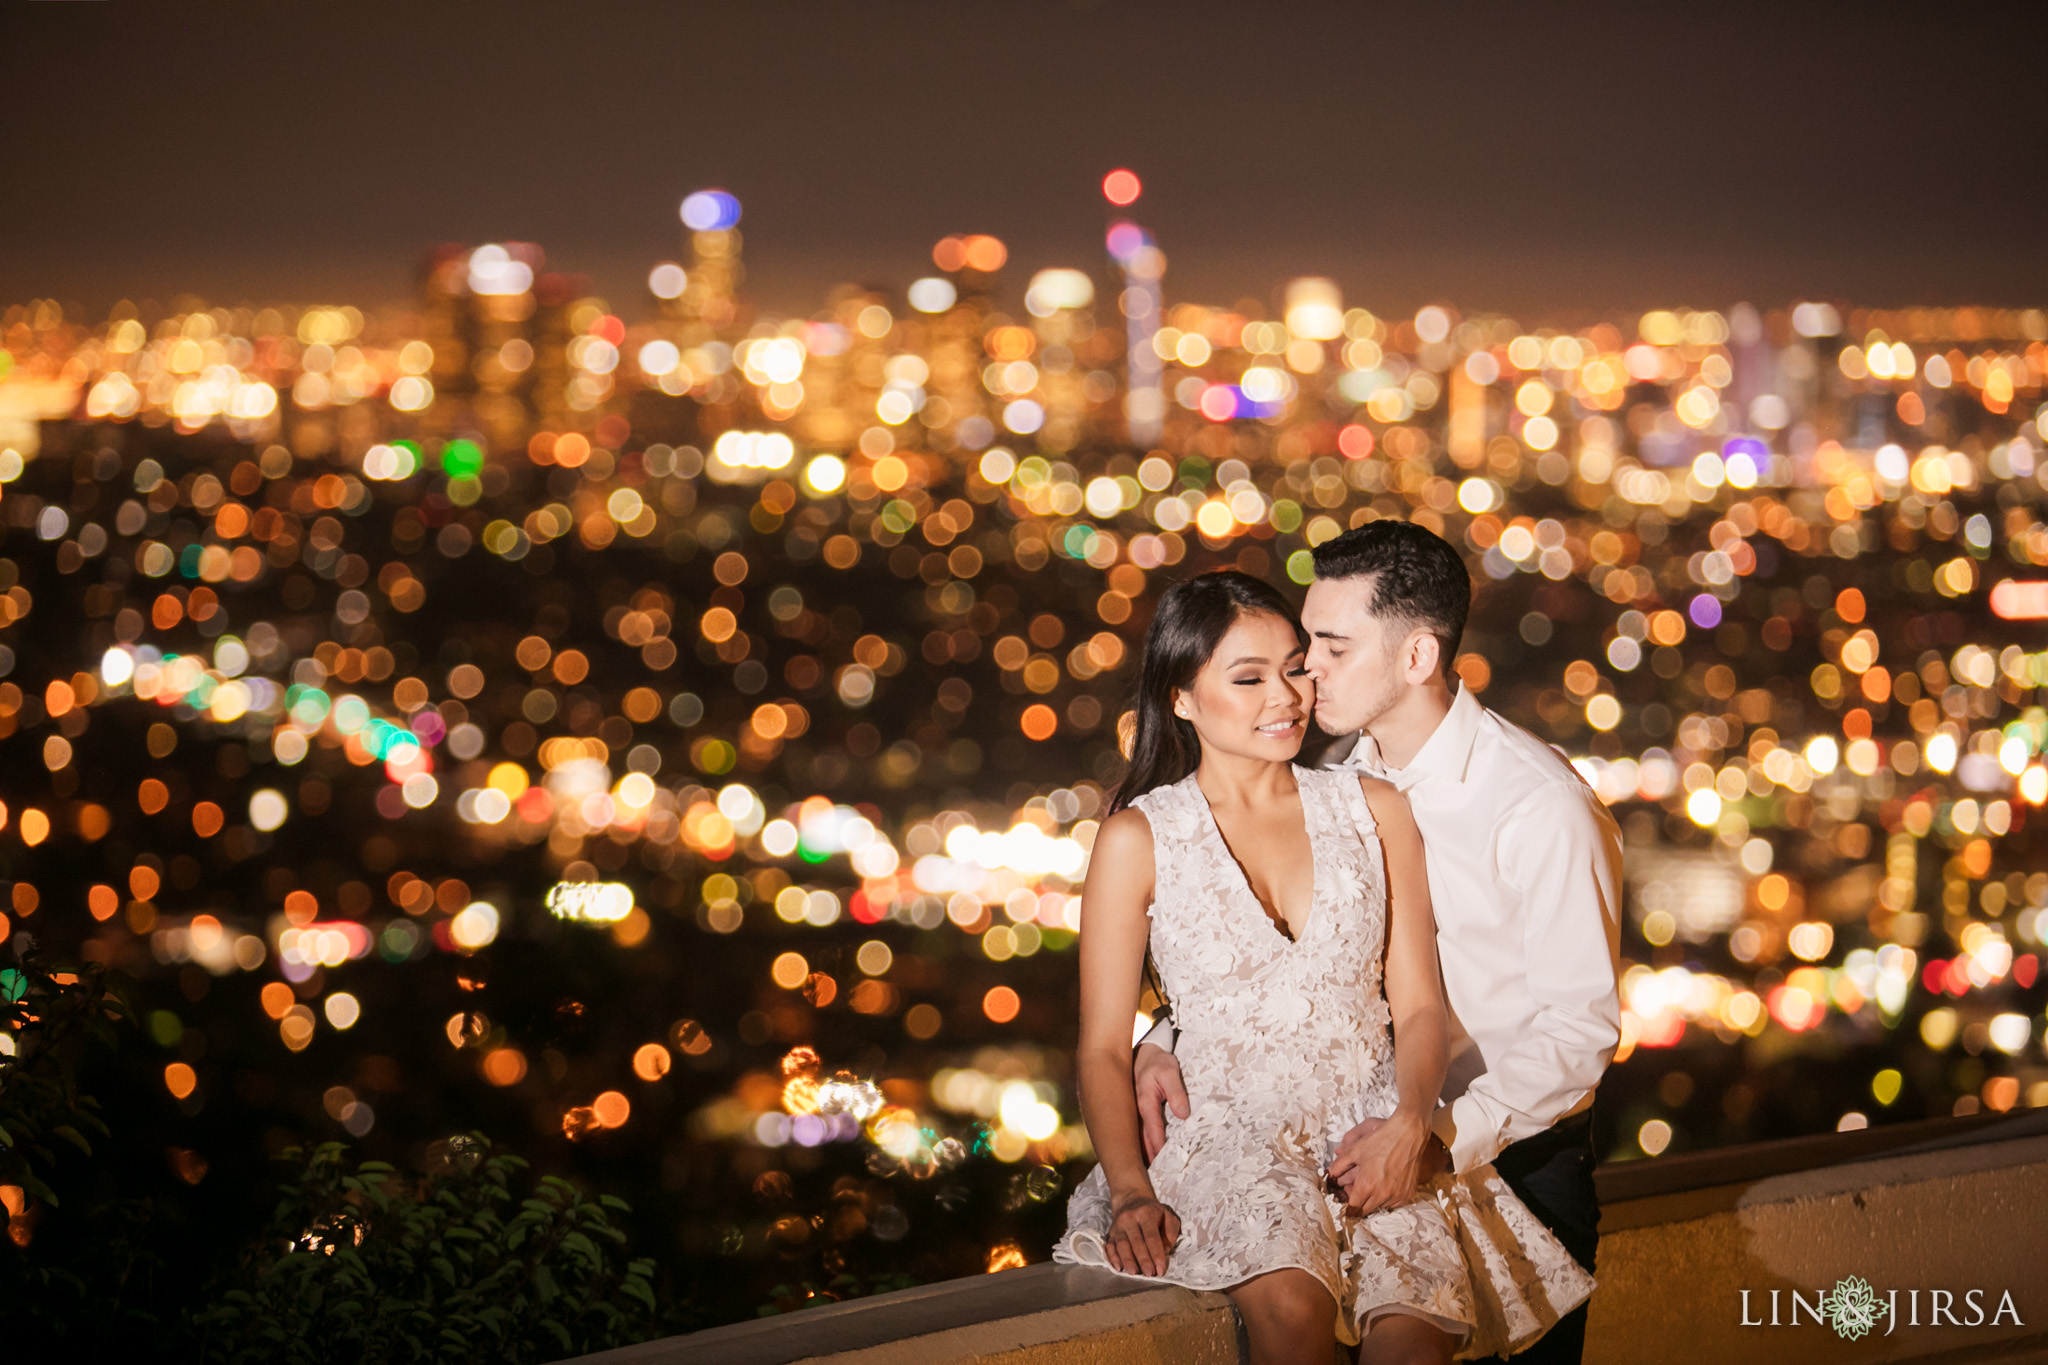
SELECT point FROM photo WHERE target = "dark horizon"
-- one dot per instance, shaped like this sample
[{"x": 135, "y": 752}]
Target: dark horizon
[{"x": 1540, "y": 160}]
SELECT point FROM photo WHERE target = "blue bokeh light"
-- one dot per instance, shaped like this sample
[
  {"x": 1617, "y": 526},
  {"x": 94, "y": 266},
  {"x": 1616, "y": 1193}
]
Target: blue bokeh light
[{"x": 711, "y": 211}]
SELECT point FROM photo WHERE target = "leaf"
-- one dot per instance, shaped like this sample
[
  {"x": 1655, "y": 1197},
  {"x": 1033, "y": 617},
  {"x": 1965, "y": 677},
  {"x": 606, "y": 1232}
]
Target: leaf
[{"x": 72, "y": 1136}]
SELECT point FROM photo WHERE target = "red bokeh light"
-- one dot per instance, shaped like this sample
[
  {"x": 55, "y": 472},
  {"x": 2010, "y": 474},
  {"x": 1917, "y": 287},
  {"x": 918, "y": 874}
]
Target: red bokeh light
[
  {"x": 1219, "y": 402},
  {"x": 1121, "y": 187},
  {"x": 1355, "y": 441}
]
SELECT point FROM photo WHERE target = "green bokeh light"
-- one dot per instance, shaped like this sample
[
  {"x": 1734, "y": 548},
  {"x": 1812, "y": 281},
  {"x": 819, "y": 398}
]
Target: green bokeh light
[{"x": 462, "y": 458}]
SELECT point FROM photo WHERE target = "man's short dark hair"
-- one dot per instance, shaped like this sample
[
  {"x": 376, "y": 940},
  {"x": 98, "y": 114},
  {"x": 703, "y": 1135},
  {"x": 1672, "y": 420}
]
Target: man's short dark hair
[{"x": 1416, "y": 577}]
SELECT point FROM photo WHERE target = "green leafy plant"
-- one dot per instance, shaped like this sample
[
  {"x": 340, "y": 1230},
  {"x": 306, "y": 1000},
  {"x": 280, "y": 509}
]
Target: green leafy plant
[
  {"x": 50, "y": 1015},
  {"x": 364, "y": 1264},
  {"x": 75, "y": 1276}
]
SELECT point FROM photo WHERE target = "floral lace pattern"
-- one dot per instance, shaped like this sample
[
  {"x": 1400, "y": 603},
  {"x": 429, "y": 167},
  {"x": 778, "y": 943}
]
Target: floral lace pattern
[{"x": 1284, "y": 1045}]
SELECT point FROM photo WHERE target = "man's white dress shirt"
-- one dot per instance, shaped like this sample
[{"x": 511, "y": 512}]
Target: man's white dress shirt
[{"x": 1525, "y": 881}]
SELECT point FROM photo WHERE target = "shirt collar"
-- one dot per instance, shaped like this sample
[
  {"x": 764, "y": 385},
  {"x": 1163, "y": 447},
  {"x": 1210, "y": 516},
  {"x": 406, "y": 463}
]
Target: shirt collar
[{"x": 1446, "y": 753}]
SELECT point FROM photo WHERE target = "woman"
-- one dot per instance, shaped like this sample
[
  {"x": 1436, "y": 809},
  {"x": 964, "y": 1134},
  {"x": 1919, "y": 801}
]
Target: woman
[{"x": 1274, "y": 900}]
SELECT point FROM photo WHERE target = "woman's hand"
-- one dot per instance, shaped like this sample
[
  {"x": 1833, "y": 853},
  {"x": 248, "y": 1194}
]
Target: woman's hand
[
  {"x": 1142, "y": 1235},
  {"x": 1381, "y": 1162}
]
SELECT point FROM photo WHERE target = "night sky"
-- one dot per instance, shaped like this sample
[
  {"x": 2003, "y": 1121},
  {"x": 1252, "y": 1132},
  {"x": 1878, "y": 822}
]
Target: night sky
[{"x": 1554, "y": 159}]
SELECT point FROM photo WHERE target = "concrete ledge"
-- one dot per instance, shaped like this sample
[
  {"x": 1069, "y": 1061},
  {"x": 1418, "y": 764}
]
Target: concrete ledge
[
  {"x": 1044, "y": 1314},
  {"x": 1947, "y": 1205},
  {"x": 1951, "y": 1204},
  {"x": 1630, "y": 1180}
]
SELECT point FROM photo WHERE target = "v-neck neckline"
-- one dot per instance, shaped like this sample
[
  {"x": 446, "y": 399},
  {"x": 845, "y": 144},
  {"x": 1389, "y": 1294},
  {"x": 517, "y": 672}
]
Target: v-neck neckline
[{"x": 1274, "y": 923}]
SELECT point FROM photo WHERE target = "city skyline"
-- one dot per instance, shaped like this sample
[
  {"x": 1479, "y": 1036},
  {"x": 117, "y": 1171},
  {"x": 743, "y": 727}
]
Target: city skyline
[
  {"x": 1523, "y": 162},
  {"x": 570, "y": 593}
]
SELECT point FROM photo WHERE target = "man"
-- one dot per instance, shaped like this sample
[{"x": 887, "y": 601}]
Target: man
[{"x": 1524, "y": 875}]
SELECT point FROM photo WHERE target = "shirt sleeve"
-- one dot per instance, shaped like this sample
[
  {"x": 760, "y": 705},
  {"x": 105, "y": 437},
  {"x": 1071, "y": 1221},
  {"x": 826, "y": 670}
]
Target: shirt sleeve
[
  {"x": 1160, "y": 1035},
  {"x": 1560, "y": 853}
]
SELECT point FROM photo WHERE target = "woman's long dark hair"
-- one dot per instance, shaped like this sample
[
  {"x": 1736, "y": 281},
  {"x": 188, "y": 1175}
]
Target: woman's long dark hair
[{"x": 1192, "y": 619}]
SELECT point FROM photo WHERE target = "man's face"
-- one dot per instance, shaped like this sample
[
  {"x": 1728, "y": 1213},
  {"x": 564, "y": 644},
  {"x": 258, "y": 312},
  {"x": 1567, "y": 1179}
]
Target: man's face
[{"x": 1352, "y": 654}]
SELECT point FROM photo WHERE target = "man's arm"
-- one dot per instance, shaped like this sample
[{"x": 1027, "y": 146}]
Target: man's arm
[{"x": 1561, "y": 851}]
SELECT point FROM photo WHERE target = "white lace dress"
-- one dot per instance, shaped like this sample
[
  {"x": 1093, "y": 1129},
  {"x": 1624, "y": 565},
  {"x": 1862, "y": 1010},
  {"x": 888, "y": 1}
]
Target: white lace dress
[{"x": 1284, "y": 1046}]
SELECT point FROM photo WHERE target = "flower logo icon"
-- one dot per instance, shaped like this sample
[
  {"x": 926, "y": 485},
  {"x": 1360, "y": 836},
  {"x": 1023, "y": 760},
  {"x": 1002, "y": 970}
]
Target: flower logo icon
[{"x": 1852, "y": 1307}]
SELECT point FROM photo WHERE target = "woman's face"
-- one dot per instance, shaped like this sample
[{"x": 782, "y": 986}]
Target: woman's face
[{"x": 1252, "y": 698}]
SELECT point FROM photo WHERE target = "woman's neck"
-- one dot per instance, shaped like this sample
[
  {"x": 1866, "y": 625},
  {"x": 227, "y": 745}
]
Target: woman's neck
[{"x": 1234, "y": 781}]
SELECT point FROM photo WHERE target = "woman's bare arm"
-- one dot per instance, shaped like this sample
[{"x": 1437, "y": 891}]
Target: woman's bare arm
[
  {"x": 1114, "y": 929},
  {"x": 1382, "y": 1166},
  {"x": 1414, "y": 981}
]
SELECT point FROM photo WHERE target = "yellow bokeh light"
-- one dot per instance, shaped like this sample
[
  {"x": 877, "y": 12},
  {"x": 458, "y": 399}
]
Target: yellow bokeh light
[{"x": 651, "y": 1062}]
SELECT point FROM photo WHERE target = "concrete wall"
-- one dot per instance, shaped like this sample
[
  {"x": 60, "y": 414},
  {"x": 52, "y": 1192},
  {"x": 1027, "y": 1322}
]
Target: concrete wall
[
  {"x": 1039, "y": 1315},
  {"x": 1673, "y": 1266},
  {"x": 1950, "y": 1205}
]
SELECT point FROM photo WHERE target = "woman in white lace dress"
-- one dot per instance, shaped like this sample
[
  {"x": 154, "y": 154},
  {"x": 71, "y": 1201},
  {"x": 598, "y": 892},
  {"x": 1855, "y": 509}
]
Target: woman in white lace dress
[{"x": 1286, "y": 911}]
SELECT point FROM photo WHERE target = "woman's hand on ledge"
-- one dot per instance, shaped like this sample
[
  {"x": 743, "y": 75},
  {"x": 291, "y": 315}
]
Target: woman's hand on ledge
[{"x": 1143, "y": 1234}]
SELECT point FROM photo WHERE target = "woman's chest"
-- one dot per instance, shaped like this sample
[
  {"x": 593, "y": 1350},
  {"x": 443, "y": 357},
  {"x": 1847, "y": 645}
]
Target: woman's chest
[{"x": 1275, "y": 862}]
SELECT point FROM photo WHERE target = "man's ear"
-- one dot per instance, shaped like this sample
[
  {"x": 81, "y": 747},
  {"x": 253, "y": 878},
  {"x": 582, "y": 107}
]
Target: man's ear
[{"x": 1424, "y": 657}]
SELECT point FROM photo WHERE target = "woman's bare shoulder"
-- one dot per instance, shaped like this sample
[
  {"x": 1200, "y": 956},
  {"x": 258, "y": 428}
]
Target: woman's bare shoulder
[
  {"x": 1127, "y": 826},
  {"x": 1120, "y": 859},
  {"x": 1386, "y": 801},
  {"x": 1378, "y": 788}
]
